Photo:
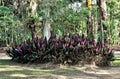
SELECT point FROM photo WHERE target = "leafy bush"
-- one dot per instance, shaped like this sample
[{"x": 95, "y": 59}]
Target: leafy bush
[{"x": 68, "y": 49}]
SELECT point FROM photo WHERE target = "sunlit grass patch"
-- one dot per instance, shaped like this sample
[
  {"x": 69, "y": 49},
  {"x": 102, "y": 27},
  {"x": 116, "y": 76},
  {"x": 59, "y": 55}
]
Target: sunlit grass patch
[
  {"x": 116, "y": 62},
  {"x": 12, "y": 70},
  {"x": 18, "y": 75}
]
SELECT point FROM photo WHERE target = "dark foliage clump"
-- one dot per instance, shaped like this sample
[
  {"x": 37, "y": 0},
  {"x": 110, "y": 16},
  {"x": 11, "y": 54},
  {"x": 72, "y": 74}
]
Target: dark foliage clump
[{"x": 68, "y": 49}]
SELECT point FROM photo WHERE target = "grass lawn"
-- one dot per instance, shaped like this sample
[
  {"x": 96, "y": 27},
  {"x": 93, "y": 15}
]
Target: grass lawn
[
  {"x": 116, "y": 62},
  {"x": 12, "y": 70}
]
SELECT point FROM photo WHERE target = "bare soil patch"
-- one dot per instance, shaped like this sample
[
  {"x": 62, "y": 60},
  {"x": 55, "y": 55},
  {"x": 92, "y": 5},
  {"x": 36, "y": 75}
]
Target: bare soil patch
[{"x": 3, "y": 49}]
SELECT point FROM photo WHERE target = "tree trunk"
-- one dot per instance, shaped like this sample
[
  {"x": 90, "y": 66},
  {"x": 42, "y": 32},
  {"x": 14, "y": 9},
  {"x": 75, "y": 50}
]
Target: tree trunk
[
  {"x": 33, "y": 33},
  {"x": 103, "y": 18},
  {"x": 32, "y": 27},
  {"x": 46, "y": 30},
  {"x": 89, "y": 20}
]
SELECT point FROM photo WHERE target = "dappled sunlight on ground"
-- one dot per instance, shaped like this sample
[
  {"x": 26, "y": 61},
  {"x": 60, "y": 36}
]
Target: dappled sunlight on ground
[
  {"x": 13, "y": 70},
  {"x": 18, "y": 75},
  {"x": 9, "y": 69}
]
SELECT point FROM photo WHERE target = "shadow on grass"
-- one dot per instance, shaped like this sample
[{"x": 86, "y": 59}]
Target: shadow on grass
[{"x": 12, "y": 70}]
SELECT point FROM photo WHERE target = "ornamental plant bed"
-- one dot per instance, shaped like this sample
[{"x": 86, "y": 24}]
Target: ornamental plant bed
[{"x": 69, "y": 49}]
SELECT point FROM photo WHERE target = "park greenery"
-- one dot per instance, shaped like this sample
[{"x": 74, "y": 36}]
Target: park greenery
[{"x": 60, "y": 31}]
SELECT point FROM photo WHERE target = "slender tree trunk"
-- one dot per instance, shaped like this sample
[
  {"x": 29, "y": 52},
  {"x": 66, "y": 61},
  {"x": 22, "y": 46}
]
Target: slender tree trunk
[
  {"x": 33, "y": 33},
  {"x": 46, "y": 30},
  {"x": 32, "y": 27},
  {"x": 103, "y": 18},
  {"x": 89, "y": 19}
]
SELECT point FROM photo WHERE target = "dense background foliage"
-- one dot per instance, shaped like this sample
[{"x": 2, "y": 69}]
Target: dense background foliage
[{"x": 65, "y": 17}]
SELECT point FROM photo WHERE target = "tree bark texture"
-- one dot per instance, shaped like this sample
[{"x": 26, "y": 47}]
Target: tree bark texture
[
  {"x": 46, "y": 30},
  {"x": 89, "y": 19},
  {"x": 103, "y": 18}
]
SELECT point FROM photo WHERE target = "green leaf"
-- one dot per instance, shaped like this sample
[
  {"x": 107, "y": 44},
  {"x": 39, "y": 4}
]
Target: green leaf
[{"x": 4, "y": 10}]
